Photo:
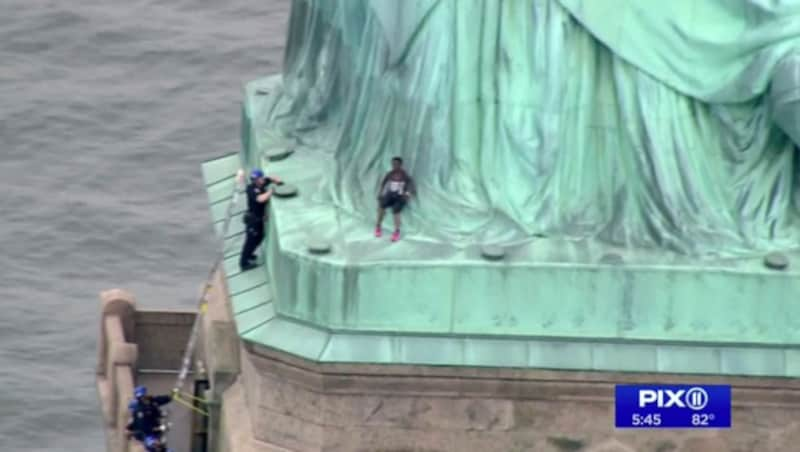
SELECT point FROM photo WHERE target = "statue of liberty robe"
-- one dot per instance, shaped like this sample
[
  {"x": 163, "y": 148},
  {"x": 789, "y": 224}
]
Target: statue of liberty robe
[{"x": 666, "y": 125}]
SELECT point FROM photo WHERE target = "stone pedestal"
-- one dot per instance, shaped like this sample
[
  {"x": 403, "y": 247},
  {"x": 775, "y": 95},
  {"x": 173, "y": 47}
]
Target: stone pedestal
[{"x": 281, "y": 403}]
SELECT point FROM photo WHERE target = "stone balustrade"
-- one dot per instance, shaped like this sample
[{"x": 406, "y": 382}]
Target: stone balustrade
[{"x": 116, "y": 366}]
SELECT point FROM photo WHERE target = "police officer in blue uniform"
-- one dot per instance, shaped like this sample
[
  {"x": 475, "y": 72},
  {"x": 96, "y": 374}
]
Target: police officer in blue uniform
[
  {"x": 146, "y": 415},
  {"x": 155, "y": 444},
  {"x": 258, "y": 195}
]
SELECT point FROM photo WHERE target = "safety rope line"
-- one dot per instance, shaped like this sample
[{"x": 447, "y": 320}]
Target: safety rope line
[
  {"x": 192, "y": 398},
  {"x": 203, "y": 302},
  {"x": 191, "y": 406}
]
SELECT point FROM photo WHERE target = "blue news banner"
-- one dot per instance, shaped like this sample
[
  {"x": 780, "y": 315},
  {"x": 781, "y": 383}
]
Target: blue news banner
[{"x": 673, "y": 406}]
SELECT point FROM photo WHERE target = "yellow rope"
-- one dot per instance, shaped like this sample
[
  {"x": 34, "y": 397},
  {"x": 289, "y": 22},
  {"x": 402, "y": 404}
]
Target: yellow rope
[
  {"x": 191, "y": 397},
  {"x": 188, "y": 405}
]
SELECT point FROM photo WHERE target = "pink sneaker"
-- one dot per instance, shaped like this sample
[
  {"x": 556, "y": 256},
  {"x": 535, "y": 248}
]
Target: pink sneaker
[
  {"x": 378, "y": 232},
  {"x": 395, "y": 236}
]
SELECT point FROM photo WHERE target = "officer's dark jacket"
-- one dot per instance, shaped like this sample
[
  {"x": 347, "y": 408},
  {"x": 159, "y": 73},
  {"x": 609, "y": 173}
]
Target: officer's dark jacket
[
  {"x": 146, "y": 413},
  {"x": 255, "y": 209}
]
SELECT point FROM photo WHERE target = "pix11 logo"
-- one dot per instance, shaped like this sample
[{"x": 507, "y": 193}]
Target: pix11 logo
[
  {"x": 695, "y": 398},
  {"x": 673, "y": 406}
]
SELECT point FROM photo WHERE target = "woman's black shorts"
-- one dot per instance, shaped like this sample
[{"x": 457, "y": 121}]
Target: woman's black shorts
[{"x": 394, "y": 200}]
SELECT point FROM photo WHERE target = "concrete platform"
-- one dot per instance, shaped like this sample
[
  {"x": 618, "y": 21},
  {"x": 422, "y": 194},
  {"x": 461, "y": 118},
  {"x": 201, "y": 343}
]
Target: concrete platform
[{"x": 141, "y": 348}]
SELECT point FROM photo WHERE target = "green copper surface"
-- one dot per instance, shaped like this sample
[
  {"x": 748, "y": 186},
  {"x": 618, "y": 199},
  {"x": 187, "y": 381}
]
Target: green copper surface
[
  {"x": 307, "y": 305},
  {"x": 652, "y": 127},
  {"x": 635, "y": 166}
]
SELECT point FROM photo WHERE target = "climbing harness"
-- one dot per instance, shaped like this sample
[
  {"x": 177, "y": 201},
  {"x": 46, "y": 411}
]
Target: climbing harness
[{"x": 203, "y": 303}]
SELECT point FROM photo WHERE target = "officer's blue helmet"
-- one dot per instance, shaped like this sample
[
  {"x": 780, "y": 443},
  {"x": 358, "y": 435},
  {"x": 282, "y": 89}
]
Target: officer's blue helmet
[
  {"x": 256, "y": 174},
  {"x": 140, "y": 391}
]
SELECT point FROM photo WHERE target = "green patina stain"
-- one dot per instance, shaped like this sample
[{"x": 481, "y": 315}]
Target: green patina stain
[
  {"x": 666, "y": 446},
  {"x": 566, "y": 444}
]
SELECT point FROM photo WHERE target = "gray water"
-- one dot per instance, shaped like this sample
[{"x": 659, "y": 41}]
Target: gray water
[{"x": 107, "y": 110}]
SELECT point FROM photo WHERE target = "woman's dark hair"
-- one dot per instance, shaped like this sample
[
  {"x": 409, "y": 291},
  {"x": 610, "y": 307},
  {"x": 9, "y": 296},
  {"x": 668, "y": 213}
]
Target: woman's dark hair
[{"x": 398, "y": 160}]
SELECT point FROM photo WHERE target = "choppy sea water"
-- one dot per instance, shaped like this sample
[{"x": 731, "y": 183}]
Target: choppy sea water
[{"x": 107, "y": 109}]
